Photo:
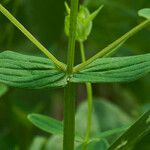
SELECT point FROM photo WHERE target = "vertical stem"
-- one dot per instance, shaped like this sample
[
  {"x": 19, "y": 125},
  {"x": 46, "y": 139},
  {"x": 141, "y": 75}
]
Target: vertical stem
[
  {"x": 90, "y": 103},
  {"x": 69, "y": 103},
  {"x": 69, "y": 117},
  {"x": 72, "y": 35}
]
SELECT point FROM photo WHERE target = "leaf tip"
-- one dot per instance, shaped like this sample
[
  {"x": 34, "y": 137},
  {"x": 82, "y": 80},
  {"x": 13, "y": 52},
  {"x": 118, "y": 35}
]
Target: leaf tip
[
  {"x": 145, "y": 13},
  {"x": 95, "y": 13},
  {"x": 67, "y": 7},
  {"x": 30, "y": 116}
]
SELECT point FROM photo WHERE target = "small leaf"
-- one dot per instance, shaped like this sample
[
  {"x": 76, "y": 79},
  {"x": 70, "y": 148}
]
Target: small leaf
[
  {"x": 145, "y": 12},
  {"x": 25, "y": 71},
  {"x": 117, "y": 69},
  {"x": 47, "y": 124},
  {"x": 136, "y": 132},
  {"x": 94, "y": 14},
  {"x": 67, "y": 8},
  {"x": 84, "y": 22}
]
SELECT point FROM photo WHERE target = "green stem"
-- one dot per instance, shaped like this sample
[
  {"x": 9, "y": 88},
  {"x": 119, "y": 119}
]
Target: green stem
[
  {"x": 113, "y": 45},
  {"x": 69, "y": 103},
  {"x": 72, "y": 35},
  {"x": 6, "y": 13},
  {"x": 69, "y": 117},
  {"x": 90, "y": 103}
]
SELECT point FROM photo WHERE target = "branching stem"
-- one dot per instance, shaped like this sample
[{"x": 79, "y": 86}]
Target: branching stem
[
  {"x": 6, "y": 13},
  {"x": 113, "y": 45}
]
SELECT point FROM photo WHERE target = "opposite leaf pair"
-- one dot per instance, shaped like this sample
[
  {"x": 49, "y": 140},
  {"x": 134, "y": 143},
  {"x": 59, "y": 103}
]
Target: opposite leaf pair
[{"x": 36, "y": 72}]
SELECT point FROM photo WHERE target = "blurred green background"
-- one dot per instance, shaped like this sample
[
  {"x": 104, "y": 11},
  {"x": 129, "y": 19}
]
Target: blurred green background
[{"x": 45, "y": 19}]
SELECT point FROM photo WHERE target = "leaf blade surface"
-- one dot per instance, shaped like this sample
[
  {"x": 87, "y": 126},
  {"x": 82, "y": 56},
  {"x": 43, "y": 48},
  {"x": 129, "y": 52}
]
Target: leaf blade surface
[
  {"x": 23, "y": 71},
  {"x": 117, "y": 69}
]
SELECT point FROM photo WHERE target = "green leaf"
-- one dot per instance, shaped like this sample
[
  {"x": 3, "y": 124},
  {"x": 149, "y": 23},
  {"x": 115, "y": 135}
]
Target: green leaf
[
  {"x": 117, "y": 69},
  {"x": 3, "y": 89},
  {"x": 145, "y": 12},
  {"x": 113, "y": 47},
  {"x": 25, "y": 71},
  {"x": 135, "y": 133},
  {"x": 84, "y": 22},
  {"x": 93, "y": 15},
  {"x": 37, "y": 143},
  {"x": 47, "y": 124}
]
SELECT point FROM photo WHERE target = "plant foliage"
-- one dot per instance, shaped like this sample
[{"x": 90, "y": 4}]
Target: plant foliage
[
  {"x": 32, "y": 72},
  {"x": 24, "y": 71},
  {"x": 116, "y": 69}
]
